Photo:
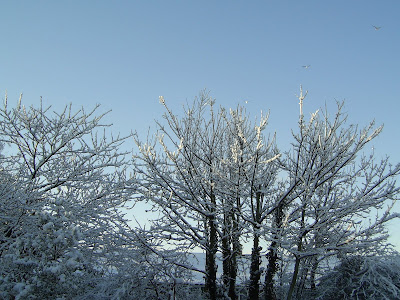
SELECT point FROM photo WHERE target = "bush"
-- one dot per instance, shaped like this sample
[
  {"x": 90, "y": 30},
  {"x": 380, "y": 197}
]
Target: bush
[{"x": 360, "y": 277}]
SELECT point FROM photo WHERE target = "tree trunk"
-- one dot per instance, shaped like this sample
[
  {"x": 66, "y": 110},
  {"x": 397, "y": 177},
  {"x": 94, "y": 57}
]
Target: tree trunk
[
  {"x": 303, "y": 278},
  {"x": 211, "y": 251},
  {"x": 294, "y": 278},
  {"x": 211, "y": 267},
  {"x": 296, "y": 268},
  {"x": 254, "y": 288},
  {"x": 298, "y": 256},
  {"x": 226, "y": 253},
  {"x": 313, "y": 272},
  {"x": 272, "y": 256},
  {"x": 232, "y": 277},
  {"x": 235, "y": 252},
  {"x": 230, "y": 248},
  {"x": 255, "y": 273}
]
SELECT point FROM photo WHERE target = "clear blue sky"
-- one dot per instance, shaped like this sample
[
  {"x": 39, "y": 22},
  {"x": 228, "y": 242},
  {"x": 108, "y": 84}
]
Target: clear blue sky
[{"x": 124, "y": 54}]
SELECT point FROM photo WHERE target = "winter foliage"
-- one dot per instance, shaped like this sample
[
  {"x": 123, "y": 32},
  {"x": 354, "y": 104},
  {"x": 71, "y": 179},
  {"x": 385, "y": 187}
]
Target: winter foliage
[
  {"x": 359, "y": 277},
  {"x": 216, "y": 180},
  {"x": 63, "y": 181}
]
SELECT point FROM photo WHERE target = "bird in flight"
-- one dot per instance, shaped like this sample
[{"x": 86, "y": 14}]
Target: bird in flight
[
  {"x": 376, "y": 27},
  {"x": 306, "y": 66}
]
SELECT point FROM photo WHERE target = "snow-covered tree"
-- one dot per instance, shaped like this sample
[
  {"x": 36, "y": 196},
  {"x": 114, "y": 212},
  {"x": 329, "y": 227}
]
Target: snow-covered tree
[
  {"x": 250, "y": 182},
  {"x": 63, "y": 182},
  {"x": 181, "y": 183},
  {"x": 337, "y": 200},
  {"x": 209, "y": 186},
  {"x": 215, "y": 180}
]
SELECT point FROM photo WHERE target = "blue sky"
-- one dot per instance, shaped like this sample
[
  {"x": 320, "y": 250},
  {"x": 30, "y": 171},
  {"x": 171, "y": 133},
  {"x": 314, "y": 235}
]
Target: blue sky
[{"x": 124, "y": 54}]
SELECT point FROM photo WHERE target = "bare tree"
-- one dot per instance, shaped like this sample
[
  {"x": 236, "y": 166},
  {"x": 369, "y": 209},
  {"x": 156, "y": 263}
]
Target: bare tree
[
  {"x": 331, "y": 188},
  {"x": 181, "y": 183},
  {"x": 64, "y": 182},
  {"x": 251, "y": 161},
  {"x": 211, "y": 187},
  {"x": 215, "y": 180}
]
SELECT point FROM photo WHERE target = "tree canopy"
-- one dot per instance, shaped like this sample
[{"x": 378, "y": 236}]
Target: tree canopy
[{"x": 217, "y": 180}]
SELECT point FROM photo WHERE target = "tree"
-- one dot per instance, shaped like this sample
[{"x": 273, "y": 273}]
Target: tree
[
  {"x": 215, "y": 180},
  {"x": 210, "y": 186},
  {"x": 181, "y": 183},
  {"x": 251, "y": 183},
  {"x": 331, "y": 187},
  {"x": 63, "y": 182}
]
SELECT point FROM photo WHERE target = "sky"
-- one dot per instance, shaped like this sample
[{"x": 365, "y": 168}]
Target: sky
[{"x": 125, "y": 54}]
